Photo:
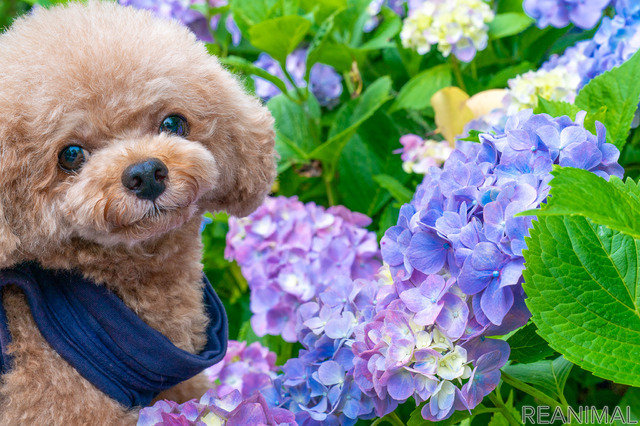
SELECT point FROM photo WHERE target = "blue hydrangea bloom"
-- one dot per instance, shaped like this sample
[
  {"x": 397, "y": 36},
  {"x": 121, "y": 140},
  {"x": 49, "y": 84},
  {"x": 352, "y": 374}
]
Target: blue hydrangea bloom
[
  {"x": 461, "y": 221},
  {"x": 584, "y": 14}
]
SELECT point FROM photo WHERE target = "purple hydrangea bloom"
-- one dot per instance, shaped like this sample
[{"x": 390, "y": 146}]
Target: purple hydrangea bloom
[
  {"x": 247, "y": 369},
  {"x": 230, "y": 410},
  {"x": 417, "y": 344},
  {"x": 558, "y": 13},
  {"x": 324, "y": 82},
  {"x": 181, "y": 11},
  {"x": 461, "y": 221},
  {"x": 319, "y": 385},
  {"x": 290, "y": 253},
  {"x": 616, "y": 40}
]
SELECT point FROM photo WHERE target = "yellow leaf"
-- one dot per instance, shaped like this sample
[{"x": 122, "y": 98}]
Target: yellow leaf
[
  {"x": 484, "y": 102},
  {"x": 452, "y": 112}
]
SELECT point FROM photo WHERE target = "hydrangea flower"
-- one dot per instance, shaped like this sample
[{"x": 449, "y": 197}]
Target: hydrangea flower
[
  {"x": 181, "y": 11},
  {"x": 557, "y": 80},
  {"x": 418, "y": 342},
  {"x": 616, "y": 40},
  {"x": 290, "y": 252},
  {"x": 461, "y": 221},
  {"x": 246, "y": 369},
  {"x": 374, "y": 8},
  {"x": 319, "y": 385},
  {"x": 419, "y": 155},
  {"x": 232, "y": 410},
  {"x": 584, "y": 14},
  {"x": 324, "y": 82},
  {"x": 455, "y": 26}
]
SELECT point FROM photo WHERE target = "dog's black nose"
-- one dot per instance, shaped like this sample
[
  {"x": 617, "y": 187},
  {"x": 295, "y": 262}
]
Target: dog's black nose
[{"x": 146, "y": 179}]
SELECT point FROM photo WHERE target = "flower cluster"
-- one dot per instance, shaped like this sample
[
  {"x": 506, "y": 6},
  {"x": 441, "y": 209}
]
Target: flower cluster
[
  {"x": 557, "y": 80},
  {"x": 421, "y": 344},
  {"x": 616, "y": 40},
  {"x": 232, "y": 410},
  {"x": 319, "y": 386},
  {"x": 558, "y": 13},
  {"x": 324, "y": 82},
  {"x": 290, "y": 252},
  {"x": 246, "y": 369},
  {"x": 456, "y": 260},
  {"x": 461, "y": 222},
  {"x": 419, "y": 155},
  {"x": 458, "y": 27},
  {"x": 181, "y": 10}
]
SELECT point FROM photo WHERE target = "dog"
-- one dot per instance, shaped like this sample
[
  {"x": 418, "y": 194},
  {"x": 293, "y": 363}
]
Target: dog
[{"x": 117, "y": 132}]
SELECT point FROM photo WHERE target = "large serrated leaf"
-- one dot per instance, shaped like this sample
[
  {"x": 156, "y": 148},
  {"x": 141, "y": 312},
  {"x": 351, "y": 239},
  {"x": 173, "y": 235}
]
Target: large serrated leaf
[
  {"x": 556, "y": 108},
  {"x": 618, "y": 90},
  {"x": 577, "y": 192},
  {"x": 582, "y": 284}
]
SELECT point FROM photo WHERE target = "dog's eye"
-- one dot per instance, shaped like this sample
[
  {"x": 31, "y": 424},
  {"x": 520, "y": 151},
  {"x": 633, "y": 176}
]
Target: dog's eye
[
  {"x": 175, "y": 125},
  {"x": 72, "y": 157}
]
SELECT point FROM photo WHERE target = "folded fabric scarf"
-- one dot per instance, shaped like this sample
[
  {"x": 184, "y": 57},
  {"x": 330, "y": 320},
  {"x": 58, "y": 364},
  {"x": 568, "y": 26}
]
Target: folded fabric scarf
[{"x": 108, "y": 344}]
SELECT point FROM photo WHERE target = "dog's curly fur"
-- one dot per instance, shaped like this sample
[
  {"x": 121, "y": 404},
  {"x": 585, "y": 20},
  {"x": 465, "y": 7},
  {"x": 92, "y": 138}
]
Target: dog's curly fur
[{"x": 103, "y": 77}]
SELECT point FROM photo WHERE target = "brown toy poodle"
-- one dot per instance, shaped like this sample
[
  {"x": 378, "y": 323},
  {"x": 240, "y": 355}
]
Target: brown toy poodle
[{"x": 117, "y": 131}]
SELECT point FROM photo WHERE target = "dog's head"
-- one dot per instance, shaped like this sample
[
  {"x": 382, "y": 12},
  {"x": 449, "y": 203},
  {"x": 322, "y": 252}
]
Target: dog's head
[{"x": 117, "y": 127}]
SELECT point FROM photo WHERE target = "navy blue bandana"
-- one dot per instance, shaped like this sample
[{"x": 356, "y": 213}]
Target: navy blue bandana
[{"x": 108, "y": 344}]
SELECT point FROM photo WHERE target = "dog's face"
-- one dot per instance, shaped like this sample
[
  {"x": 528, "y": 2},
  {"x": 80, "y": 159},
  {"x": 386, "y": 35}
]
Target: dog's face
[{"x": 116, "y": 127}]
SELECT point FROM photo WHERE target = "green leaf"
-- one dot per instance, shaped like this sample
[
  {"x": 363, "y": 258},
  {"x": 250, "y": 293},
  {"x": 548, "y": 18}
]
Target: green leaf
[
  {"x": 397, "y": 190},
  {"x": 372, "y": 99},
  {"x": 458, "y": 416},
  {"x": 556, "y": 108},
  {"x": 527, "y": 346},
  {"x": 279, "y": 36},
  {"x": 296, "y": 127},
  {"x": 508, "y": 24},
  {"x": 240, "y": 64},
  {"x": 247, "y": 13},
  {"x": 319, "y": 40},
  {"x": 387, "y": 30},
  {"x": 474, "y": 136},
  {"x": 577, "y": 192},
  {"x": 582, "y": 285},
  {"x": 364, "y": 156},
  {"x": 618, "y": 90},
  {"x": 417, "y": 93},
  {"x": 549, "y": 376}
]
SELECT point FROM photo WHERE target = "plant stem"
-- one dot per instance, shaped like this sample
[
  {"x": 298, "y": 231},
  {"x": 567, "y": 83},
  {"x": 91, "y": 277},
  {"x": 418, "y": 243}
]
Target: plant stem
[
  {"x": 302, "y": 95},
  {"x": 391, "y": 418},
  {"x": 508, "y": 415},
  {"x": 455, "y": 65},
  {"x": 539, "y": 395},
  {"x": 331, "y": 198}
]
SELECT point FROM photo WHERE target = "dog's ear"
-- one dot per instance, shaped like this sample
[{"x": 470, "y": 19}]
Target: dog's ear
[
  {"x": 250, "y": 173},
  {"x": 8, "y": 242}
]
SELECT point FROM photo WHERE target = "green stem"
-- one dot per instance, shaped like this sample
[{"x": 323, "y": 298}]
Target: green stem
[
  {"x": 331, "y": 197},
  {"x": 301, "y": 94},
  {"x": 391, "y": 418},
  {"x": 455, "y": 65},
  {"x": 508, "y": 415},
  {"x": 537, "y": 394}
]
